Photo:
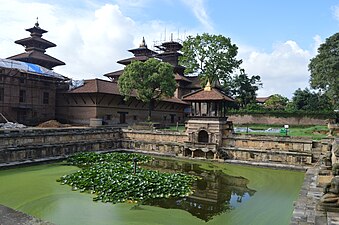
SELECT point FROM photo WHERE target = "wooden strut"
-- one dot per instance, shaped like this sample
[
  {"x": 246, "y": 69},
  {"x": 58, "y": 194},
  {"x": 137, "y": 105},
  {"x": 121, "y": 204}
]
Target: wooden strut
[{"x": 4, "y": 117}]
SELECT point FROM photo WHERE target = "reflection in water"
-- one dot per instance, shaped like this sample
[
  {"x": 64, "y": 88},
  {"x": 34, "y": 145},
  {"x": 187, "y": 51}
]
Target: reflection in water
[{"x": 215, "y": 193}]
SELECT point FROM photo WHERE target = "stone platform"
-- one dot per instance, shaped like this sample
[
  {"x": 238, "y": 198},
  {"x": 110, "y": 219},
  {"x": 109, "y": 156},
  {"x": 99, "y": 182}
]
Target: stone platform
[{"x": 10, "y": 216}]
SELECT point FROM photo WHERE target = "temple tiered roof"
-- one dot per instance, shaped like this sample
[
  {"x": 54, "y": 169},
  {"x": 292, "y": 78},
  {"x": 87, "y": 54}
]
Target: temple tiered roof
[{"x": 35, "y": 48}]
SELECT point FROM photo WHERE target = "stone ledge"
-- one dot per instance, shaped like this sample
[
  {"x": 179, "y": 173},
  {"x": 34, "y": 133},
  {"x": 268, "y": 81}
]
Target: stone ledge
[
  {"x": 273, "y": 151},
  {"x": 10, "y": 216},
  {"x": 267, "y": 164}
]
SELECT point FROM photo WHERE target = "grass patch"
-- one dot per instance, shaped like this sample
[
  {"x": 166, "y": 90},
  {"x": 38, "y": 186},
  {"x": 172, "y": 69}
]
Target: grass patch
[{"x": 314, "y": 132}]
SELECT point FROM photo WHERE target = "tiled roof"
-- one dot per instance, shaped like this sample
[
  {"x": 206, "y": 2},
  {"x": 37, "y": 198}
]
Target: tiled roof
[
  {"x": 25, "y": 41},
  {"x": 108, "y": 87},
  {"x": 135, "y": 58},
  {"x": 202, "y": 95},
  {"x": 114, "y": 74},
  {"x": 180, "y": 77},
  {"x": 262, "y": 99},
  {"x": 195, "y": 82},
  {"x": 32, "y": 56},
  {"x": 97, "y": 86}
]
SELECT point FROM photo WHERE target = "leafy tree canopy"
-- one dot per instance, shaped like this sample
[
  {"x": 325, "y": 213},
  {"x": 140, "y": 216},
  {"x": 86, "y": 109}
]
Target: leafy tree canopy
[
  {"x": 324, "y": 68},
  {"x": 276, "y": 102},
  {"x": 309, "y": 101},
  {"x": 151, "y": 80},
  {"x": 213, "y": 57},
  {"x": 244, "y": 88}
]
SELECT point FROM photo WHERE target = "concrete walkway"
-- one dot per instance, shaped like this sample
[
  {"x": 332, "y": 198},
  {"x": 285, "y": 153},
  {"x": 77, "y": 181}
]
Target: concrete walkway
[{"x": 10, "y": 216}]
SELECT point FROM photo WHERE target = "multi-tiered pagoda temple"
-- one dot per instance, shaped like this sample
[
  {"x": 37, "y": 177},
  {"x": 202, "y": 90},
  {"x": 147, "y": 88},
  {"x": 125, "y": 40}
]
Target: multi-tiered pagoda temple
[{"x": 35, "y": 48}]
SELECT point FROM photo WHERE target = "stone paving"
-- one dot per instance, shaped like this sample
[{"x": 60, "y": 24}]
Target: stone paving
[
  {"x": 10, "y": 216},
  {"x": 306, "y": 210}
]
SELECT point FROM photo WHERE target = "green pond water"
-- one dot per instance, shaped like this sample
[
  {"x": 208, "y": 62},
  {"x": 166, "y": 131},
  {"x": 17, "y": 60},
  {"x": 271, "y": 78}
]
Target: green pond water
[{"x": 225, "y": 194}]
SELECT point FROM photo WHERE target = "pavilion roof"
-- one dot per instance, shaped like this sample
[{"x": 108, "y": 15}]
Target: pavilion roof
[{"x": 207, "y": 95}]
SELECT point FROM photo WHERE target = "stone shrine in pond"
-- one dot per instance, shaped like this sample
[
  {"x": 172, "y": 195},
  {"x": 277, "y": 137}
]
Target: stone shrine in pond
[{"x": 207, "y": 124}]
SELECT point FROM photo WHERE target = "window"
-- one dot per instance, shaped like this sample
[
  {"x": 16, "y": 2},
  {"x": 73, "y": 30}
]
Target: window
[
  {"x": 22, "y": 96},
  {"x": 134, "y": 117},
  {"x": 2, "y": 94},
  {"x": 122, "y": 117},
  {"x": 172, "y": 118},
  {"x": 22, "y": 80},
  {"x": 45, "y": 98}
]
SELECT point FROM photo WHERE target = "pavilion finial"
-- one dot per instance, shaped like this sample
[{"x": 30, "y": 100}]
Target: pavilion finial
[
  {"x": 37, "y": 22},
  {"x": 208, "y": 86},
  {"x": 143, "y": 43}
]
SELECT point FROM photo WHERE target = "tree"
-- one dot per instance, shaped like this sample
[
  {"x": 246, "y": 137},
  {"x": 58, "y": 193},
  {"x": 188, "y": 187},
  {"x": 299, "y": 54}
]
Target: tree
[
  {"x": 276, "y": 102},
  {"x": 244, "y": 88},
  {"x": 151, "y": 80},
  {"x": 212, "y": 57},
  {"x": 324, "y": 69},
  {"x": 309, "y": 101}
]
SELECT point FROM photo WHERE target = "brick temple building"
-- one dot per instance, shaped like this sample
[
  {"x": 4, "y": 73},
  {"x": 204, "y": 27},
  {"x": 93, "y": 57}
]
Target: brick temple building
[
  {"x": 101, "y": 99},
  {"x": 31, "y": 92},
  {"x": 28, "y": 86}
]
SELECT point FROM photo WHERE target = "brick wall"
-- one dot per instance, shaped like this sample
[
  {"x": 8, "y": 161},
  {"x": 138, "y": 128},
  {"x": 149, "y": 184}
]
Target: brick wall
[{"x": 258, "y": 119}]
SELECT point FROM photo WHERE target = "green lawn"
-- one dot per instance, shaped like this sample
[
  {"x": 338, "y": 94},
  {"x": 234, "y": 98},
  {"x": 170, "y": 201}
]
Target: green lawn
[{"x": 314, "y": 132}]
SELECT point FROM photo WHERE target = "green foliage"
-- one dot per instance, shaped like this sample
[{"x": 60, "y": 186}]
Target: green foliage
[
  {"x": 85, "y": 159},
  {"x": 324, "y": 69},
  {"x": 151, "y": 80},
  {"x": 111, "y": 177},
  {"x": 310, "y": 101},
  {"x": 276, "y": 102},
  {"x": 213, "y": 57},
  {"x": 254, "y": 107},
  {"x": 244, "y": 88}
]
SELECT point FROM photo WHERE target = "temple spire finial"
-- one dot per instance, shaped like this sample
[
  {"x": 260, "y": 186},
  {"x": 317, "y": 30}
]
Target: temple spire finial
[
  {"x": 143, "y": 43},
  {"x": 37, "y": 22},
  {"x": 208, "y": 86}
]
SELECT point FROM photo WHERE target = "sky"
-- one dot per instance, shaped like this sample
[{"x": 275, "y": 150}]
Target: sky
[{"x": 275, "y": 39}]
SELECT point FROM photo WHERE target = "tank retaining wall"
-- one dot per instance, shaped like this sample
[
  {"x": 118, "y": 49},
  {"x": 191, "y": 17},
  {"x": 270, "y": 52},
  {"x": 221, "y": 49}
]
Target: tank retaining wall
[
  {"x": 36, "y": 144},
  {"x": 274, "y": 149},
  {"x": 30, "y": 145}
]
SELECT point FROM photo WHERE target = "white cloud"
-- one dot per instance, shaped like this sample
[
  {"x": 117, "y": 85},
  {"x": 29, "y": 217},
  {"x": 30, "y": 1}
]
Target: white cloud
[
  {"x": 335, "y": 11},
  {"x": 133, "y": 3},
  {"x": 200, "y": 13},
  {"x": 89, "y": 39},
  {"x": 282, "y": 71},
  {"x": 93, "y": 44}
]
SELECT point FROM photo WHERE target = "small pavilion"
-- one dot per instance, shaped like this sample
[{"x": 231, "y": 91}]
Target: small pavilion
[{"x": 207, "y": 123}]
